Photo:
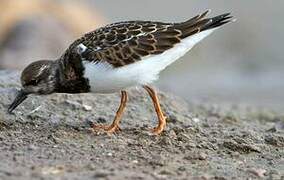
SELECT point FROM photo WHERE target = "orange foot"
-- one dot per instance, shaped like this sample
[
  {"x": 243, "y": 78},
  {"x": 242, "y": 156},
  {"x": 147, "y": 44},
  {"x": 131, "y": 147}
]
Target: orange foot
[
  {"x": 159, "y": 129},
  {"x": 108, "y": 129}
]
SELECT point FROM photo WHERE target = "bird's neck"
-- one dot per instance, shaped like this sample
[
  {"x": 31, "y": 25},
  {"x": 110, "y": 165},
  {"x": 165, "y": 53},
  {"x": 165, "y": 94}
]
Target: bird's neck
[{"x": 71, "y": 76}]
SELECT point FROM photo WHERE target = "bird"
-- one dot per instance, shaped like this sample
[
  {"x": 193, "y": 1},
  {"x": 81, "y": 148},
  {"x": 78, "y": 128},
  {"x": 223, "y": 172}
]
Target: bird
[{"x": 116, "y": 57}]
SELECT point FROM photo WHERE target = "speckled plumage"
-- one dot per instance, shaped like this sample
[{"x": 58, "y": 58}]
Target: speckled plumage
[{"x": 127, "y": 42}]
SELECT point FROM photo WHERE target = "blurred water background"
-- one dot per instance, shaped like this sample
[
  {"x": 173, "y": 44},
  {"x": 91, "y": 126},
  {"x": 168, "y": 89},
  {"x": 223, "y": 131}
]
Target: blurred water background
[{"x": 240, "y": 63}]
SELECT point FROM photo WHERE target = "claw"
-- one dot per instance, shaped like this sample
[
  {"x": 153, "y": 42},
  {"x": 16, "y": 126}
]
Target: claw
[
  {"x": 108, "y": 129},
  {"x": 158, "y": 130}
]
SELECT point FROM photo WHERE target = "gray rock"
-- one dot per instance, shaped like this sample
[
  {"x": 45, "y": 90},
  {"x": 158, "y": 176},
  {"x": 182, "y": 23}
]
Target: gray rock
[{"x": 56, "y": 140}]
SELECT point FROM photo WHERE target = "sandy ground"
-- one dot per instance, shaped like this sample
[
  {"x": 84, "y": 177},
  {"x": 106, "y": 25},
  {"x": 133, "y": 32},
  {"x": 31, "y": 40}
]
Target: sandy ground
[{"x": 49, "y": 137}]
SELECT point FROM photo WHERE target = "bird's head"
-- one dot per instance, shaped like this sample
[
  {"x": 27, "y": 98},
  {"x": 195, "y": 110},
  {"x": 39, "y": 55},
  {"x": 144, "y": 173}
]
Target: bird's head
[{"x": 40, "y": 78}]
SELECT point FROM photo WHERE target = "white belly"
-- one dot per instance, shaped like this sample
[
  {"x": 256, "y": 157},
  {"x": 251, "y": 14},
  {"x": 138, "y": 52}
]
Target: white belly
[{"x": 103, "y": 78}]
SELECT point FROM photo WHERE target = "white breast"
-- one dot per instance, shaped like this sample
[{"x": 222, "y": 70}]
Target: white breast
[{"x": 103, "y": 78}]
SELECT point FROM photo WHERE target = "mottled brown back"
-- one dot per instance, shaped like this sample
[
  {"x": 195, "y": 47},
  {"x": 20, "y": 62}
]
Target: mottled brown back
[{"x": 127, "y": 42}]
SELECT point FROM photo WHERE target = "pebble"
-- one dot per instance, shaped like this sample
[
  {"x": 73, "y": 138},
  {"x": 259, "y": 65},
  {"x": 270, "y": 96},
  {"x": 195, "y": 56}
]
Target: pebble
[
  {"x": 279, "y": 126},
  {"x": 53, "y": 170},
  {"x": 32, "y": 147},
  {"x": 101, "y": 175},
  {"x": 172, "y": 134},
  {"x": 235, "y": 154},
  {"x": 87, "y": 107},
  {"x": 190, "y": 145},
  {"x": 274, "y": 140},
  {"x": 202, "y": 156},
  {"x": 197, "y": 156},
  {"x": 172, "y": 118},
  {"x": 181, "y": 168},
  {"x": 91, "y": 167},
  {"x": 196, "y": 120},
  {"x": 135, "y": 161},
  {"x": 74, "y": 104},
  {"x": 101, "y": 120},
  {"x": 258, "y": 172}
]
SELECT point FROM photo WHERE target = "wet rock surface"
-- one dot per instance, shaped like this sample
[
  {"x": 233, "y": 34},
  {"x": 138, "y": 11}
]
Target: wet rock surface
[{"x": 49, "y": 137}]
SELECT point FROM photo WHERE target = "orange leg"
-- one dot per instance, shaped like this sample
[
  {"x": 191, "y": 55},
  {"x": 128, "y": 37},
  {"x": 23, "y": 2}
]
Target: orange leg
[
  {"x": 162, "y": 119},
  {"x": 115, "y": 124}
]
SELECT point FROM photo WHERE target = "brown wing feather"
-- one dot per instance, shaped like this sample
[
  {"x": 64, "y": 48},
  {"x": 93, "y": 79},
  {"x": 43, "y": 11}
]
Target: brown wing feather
[{"x": 127, "y": 42}]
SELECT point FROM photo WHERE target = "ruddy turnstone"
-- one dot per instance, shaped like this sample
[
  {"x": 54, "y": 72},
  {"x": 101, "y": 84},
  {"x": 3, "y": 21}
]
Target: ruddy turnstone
[{"x": 115, "y": 57}]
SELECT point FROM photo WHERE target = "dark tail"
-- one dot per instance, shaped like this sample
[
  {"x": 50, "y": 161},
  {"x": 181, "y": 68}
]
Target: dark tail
[
  {"x": 217, "y": 21},
  {"x": 201, "y": 23}
]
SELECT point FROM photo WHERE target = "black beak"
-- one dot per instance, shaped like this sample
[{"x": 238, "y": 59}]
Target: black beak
[{"x": 22, "y": 95}]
